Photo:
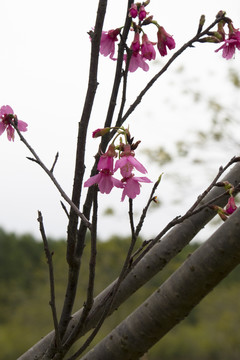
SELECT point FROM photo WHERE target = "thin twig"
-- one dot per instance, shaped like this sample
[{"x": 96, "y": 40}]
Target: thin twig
[
  {"x": 54, "y": 163},
  {"x": 64, "y": 208},
  {"x": 92, "y": 265},
  {"x": 144, "y": 212},
  {"x": 50, "y": 174},
  {"x": 51, "y": 279}
]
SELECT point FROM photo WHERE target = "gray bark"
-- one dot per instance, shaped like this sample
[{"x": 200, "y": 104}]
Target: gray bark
[
  {"x": 173, "y": 301},
  {"x": 153, "y": 262}
]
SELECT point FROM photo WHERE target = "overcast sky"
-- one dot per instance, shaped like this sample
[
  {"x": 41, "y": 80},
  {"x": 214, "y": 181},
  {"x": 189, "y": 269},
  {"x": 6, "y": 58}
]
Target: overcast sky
[{"x": 44, "y": 68}]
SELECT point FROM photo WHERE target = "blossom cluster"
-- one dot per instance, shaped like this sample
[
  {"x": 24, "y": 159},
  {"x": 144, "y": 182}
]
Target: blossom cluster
[
  {"x": 7, "y": 116},
  {"x": 230, "y": 39},
  {"x": 126, "y": 163},
  {"x": 141, "y": 48}
]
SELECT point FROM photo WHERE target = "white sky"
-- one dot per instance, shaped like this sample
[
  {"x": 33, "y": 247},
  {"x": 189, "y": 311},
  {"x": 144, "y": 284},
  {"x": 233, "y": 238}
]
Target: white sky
[{"x": 44, "y": 69}]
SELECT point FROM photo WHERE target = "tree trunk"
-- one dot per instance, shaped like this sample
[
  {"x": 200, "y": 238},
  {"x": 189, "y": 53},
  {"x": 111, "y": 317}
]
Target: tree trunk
[{"x": 173, "y": 301}]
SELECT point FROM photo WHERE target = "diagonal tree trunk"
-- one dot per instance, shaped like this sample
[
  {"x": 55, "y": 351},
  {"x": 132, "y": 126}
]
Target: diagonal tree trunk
[
  {"x": 153, "y": 262},
  {"x": 173, "y": 301}
]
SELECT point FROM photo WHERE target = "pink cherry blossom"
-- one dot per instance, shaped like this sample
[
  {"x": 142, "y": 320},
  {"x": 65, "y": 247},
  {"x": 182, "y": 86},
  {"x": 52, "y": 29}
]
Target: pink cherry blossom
[
  {"x": 147, "y": 49},
  {"x": 230, "y": 45},
  {"x": 137, "y": 59},
  {"x": 164, "y": 40},
  {"x": 107, "y": 44},
  {"x": 7, "y": 116},
  {"x": 135, "y": 46},
  {"x": 231, "y": 206},
  {"x": 132, "y": 186},
  {"x": 128, "y": 162},
  {"x": 106, "y": 160},
  {"x": 105, "y": 181}
]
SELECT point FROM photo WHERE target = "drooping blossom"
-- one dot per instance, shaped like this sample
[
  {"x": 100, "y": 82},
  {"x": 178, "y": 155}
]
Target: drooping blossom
[
  {"x": 106, "y": 160},
  {"x": 133, "y": 11},
  {"x": 230, "y": 45},
  {"x": 132, "y": 186},
  {"x": 128, "y": 162},
  {"x": 105, "y": 181},
  {"x": 231, "y": 206},
  {"x": 135, "y": 46},
  {"x": 7, "y": 116},
  {"x": 107, "y": 44},
  {"x": 136, "y": 59},
  {"x": 164, "y": 40},
  {"x": 147, "y": 48}
]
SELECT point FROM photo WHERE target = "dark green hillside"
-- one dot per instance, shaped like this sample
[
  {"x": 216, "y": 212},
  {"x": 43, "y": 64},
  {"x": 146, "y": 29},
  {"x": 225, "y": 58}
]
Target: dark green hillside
[{"x": 210, "y": 332}]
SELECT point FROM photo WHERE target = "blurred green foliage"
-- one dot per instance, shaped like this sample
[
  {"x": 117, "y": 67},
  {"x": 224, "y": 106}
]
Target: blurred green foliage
[{"x": 210, "y": 331}]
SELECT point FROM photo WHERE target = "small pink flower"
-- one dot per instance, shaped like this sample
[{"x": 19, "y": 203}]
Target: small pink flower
[
  {"x": 230, "y": 45},
  {"x": 164, "y": 40},
  {"x": 107, "y": 44},
  {"x": 142, "y": 13},
  {"x": 231, "y": 206},
  {"x": 128, "y": 162},
  {"x": 137, "y": 59},
  {"x": 147, "y": 49},
  {"x": 132, "y": 186},
  {"x": 133, "y": 11},
  {"x": 105, "y": 181},
  {"x": 135, "y": 46},
  {"x": 106, "y": 160},
  {"x": 7, "y": 116}
]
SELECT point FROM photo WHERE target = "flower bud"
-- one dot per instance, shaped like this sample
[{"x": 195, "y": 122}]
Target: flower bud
[{"x": 100, "y": 132}]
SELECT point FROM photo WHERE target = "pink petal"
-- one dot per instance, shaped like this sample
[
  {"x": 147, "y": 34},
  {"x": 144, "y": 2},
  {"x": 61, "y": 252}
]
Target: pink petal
[
  {"x": 117, "y": 183},
  {"x": 22, "y": 126},
  {"x": 142, "y": 179},
  {"x": 131, "y": 189},
  {"x": 137, "y": 164},
  {"x": 105, "y": 184},
  {"x": 6, "y": 109},
  {"x": 92, "y": 180},
  {"x": 120, "y": 163},
  {"x": 105, "y": 162},
  {"x": 2, "y": 128},
  {"x": 10, "y": 133}
]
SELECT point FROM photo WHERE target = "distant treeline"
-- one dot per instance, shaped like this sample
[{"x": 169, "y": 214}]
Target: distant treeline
[{"x": 210, "y": 332}]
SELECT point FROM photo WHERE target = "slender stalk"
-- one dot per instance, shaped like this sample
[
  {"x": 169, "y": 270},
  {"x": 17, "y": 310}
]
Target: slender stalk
[
  {"x": 51, "y": 279},
  {"x": 73, "y": 261}
]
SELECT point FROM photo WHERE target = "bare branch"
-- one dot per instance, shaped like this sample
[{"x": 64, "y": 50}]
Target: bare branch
[
  {"x": 51, "y": 278},
  {"x": 50, "y": 174},
  {"x": 54, "y": 163}
]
